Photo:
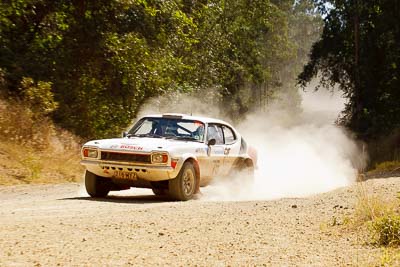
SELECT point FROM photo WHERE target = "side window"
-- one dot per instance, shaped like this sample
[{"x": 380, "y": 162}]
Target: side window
[
  {"x": 228, "y": 134},
  {"x": 214, "y": 131}
]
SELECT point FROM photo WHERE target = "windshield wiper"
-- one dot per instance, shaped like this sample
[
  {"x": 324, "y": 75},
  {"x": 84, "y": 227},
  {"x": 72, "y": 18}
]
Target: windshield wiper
[
  {"x": 168, "y": 136},
  {"x": 145, "y": 135},
  {"x": 188, "y": 138}
]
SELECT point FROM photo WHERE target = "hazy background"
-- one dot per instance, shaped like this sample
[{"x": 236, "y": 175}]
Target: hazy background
[{"x": 300, "y": 153}]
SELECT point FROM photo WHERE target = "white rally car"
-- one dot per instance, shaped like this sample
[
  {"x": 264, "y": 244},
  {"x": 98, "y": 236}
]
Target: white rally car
[{"x": 173, "y": 154}]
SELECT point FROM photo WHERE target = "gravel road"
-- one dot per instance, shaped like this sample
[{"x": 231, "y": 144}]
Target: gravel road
[{"x": 50, "y": 225}]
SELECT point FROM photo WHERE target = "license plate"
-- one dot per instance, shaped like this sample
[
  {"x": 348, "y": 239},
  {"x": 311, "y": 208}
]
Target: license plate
[{"x": 125, "y": 175}]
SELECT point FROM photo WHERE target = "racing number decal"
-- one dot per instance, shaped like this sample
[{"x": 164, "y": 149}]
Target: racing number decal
[{"x": 227, "y": 150}]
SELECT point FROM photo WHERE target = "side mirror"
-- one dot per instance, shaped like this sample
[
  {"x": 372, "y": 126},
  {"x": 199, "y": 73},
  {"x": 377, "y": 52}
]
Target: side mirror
[
  {"x": 124, "y": 134},
  {"x": 211, "y": 142}
]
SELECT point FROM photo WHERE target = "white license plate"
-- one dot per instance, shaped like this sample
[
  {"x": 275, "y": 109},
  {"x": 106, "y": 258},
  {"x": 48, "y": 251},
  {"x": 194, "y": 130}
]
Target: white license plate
[{"x": 125, "y": 175}]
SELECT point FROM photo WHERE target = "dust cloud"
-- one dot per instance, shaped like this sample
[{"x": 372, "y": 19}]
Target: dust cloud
[{"x": 299, "y": 153}]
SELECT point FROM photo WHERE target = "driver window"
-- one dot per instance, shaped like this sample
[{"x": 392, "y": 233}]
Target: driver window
[{"x": 214, "y": 131}]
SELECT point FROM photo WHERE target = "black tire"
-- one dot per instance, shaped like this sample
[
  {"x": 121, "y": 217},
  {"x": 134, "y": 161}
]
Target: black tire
[
  {"x": 159, "y": 191},
  {"x": 96, "y": 186},
  {"x": 183, "y": 187}
]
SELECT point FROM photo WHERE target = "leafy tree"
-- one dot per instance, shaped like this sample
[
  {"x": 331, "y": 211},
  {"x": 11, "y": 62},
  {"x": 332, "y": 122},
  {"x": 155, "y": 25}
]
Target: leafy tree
[
  {"x": 101, "y": 60},
  {"x": 38, "y": 96},
  {"x": 359, "y": 51},
  {"x": 247, "y": 44}
]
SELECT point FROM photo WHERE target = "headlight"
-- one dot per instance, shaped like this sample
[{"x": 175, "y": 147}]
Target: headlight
[
  {"x": 159, "y": 158},
  {"x": 89, "y": 153}
]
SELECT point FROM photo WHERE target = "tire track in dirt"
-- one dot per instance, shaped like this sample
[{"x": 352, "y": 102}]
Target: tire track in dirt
[{"x": 49, "y": 225}]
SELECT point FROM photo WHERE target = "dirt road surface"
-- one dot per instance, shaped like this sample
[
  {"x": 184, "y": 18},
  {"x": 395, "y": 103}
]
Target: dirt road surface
[{"x": 50, "y": 225}]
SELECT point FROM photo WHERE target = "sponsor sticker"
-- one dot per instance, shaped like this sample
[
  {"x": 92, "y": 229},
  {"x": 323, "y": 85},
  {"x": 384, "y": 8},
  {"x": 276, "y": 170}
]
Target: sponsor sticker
[
  {"x": 201, "y": 150},
  {"x": 131, "y": 147},
  {"x": 217, "y": 150}
]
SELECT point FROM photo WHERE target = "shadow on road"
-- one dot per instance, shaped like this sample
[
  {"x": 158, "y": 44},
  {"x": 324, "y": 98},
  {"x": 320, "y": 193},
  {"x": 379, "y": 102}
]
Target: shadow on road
[{"x": 138, "y": 199}]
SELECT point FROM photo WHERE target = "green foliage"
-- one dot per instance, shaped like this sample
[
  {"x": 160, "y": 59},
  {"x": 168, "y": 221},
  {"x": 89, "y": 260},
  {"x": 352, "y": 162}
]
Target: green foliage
[
  {"x": 387, "y": 230},
  {"x": 380, "y": 214},
  {"x": 39, "y": 96},
  {"x": 389, "y": 257},
  {"x": 359, "y": 51},
  {"x": 103, "y": 59},
  {"x": 388, "y": 166}
]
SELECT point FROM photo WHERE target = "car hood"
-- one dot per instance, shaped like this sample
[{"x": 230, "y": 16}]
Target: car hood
[{"x": 142, "y": 144}]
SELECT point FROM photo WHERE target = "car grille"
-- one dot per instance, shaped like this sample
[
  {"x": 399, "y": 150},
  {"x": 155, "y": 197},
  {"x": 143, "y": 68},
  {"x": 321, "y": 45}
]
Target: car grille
[{"x": 113, "y": 156}]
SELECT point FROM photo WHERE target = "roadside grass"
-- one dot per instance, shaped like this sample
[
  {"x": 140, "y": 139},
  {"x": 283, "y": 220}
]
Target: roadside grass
[
  {"x": 388, "y": 168},
  {"x": 389, "y": 257},
  {"x": 33, "y": 149},
  {"x": 377, "y": 220},
  {"x": 370, "y": 206},
  {"x": 374, "y": 224}
]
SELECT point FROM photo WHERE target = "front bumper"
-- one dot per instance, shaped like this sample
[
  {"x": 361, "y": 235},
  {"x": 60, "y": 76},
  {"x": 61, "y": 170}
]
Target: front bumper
[{"x": 144, "y": 172}]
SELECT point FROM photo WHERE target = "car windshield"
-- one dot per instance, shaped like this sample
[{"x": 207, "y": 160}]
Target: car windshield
[{"x": 176, "y": 128}]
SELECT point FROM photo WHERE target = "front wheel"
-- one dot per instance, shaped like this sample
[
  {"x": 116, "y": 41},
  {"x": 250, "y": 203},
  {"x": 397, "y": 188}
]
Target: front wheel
[
  {"x": 159, "y": 191},
  {"x": 96, "y": 186},
  {"x": 183, "y": 187}
]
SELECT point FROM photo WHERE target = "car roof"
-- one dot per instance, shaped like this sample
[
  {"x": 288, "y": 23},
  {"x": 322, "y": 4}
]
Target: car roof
[{"x": 187, "y": 117}]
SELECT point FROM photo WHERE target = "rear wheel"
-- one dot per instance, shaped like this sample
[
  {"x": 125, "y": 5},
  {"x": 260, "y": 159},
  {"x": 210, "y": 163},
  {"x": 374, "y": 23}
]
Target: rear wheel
[
  {"x": 248, "y": 168},
  {"x": 183, "y": 187},
  {"x": 243, "y": 172},
  {"x": 97, "y": 186}
]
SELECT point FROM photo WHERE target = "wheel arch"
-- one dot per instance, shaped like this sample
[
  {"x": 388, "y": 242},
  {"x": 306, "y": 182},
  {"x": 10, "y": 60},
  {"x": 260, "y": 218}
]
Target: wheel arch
[
  {"x": 196, "y": 166},
  {"x": 248, "y": 162},
  {"x": 244, "y": 161}
]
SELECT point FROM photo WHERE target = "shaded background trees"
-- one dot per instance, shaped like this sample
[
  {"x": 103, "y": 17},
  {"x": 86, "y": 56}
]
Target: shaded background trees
[
  {"x": 103, "y": 59},
  {"x": 359, "y": 50},
  {"x": 90, "y": 65}
]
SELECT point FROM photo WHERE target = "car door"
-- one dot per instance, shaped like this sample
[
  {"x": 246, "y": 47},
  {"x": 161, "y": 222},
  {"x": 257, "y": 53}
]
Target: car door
[
  {"x": 213, "y": 162},
  {"x": 231, "y": 150}
]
